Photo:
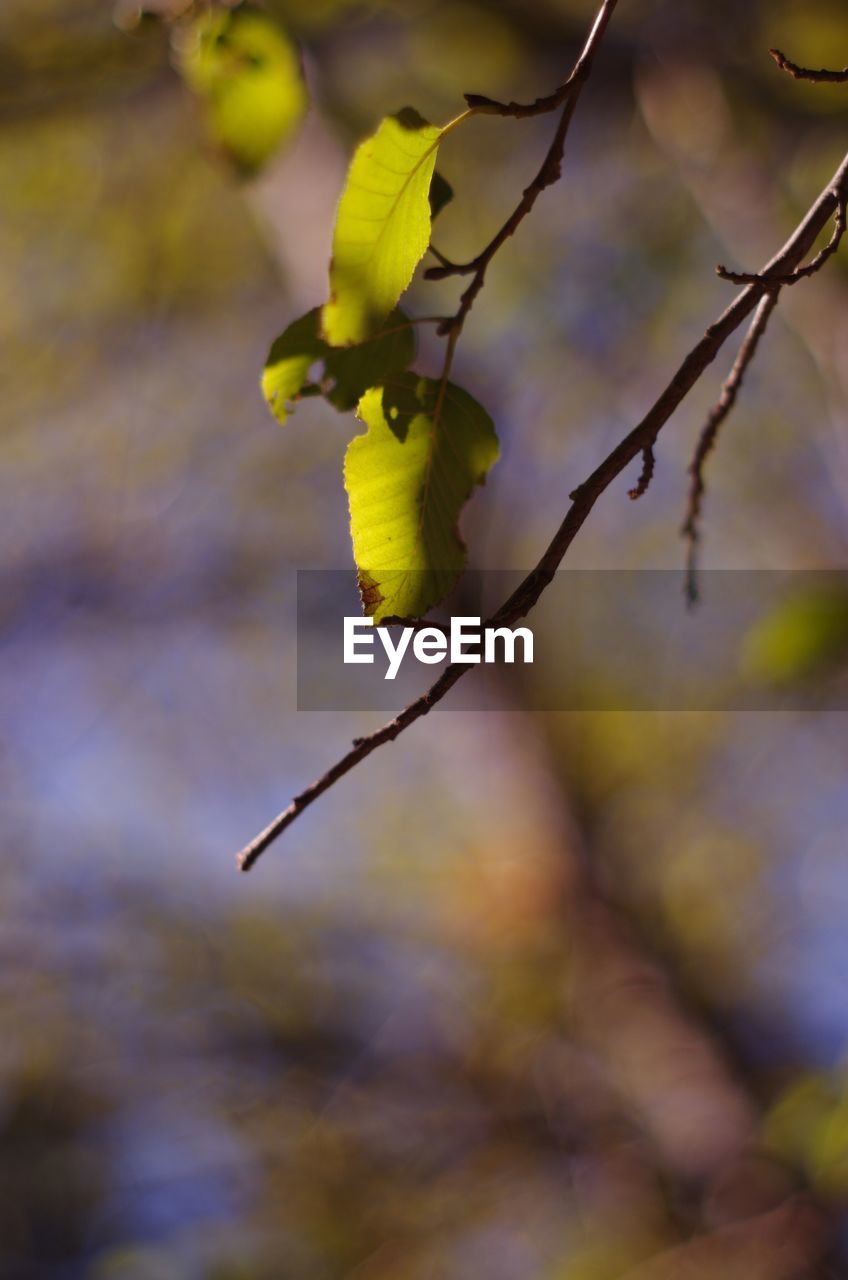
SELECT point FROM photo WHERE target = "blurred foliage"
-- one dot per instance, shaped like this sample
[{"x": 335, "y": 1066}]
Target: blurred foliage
[
  {"x": 808, "y": 1125},
  {"x": 803, "y": 637},
  {"x": 247, "y": 75}
]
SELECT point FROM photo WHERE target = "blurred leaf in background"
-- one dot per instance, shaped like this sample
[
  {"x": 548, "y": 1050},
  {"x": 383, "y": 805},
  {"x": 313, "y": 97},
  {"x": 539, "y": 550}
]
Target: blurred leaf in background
[
  {"x": 808, "y": 1126},
  {"x": 246, "y": 72},
  {"x": 805, "y": 636}
]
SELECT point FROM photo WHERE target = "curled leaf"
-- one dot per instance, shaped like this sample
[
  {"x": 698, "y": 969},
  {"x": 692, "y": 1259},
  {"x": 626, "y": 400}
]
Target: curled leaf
[{"x": 407, "y": 479}]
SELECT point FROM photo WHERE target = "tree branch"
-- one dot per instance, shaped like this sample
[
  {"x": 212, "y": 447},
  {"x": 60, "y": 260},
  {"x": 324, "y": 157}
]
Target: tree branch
[
  {"x": 709, "y": 434},
  {"x": 804, "y": 73},
  {"x": 583, "y": 499}
]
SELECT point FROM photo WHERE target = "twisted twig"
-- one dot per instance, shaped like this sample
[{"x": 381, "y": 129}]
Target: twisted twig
[{"x": 709, "y": 435}]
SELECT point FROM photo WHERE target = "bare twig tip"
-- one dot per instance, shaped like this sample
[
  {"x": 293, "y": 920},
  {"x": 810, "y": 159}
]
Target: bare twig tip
[
  {"x": 649, "y": 463},
  {"x": 823, "y": 76}
]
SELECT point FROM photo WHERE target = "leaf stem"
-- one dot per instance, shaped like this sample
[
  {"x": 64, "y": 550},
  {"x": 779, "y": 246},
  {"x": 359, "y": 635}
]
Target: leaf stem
[{"x": 458, "y": 120}]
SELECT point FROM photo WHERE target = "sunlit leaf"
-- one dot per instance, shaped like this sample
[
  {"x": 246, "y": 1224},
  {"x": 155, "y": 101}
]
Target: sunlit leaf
[
  {"x": 247, "y": 74},
  {"x": 407, "y": 478},
  {"x": 347, "y": 372},
  {"x": 382, "y": 226}
]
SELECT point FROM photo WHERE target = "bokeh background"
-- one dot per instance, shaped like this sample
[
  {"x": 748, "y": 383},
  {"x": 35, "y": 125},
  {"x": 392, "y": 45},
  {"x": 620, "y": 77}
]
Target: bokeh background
[{"x": 530, "y": 997}]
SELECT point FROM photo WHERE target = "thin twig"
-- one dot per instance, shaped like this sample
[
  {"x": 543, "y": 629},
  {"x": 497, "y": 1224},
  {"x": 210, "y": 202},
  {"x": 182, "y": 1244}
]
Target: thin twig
[
  {"x": 583, "y": 499},
  {"x": 549, "y": 172},
  {"x": 642, "y": 485},
  {"x": 519, "y": 110},
  {"x": 440, "y": 257},
  {"x": 709, "y": 436},
  {"x": 801, "y": 273},
  {"x": 409, "y": 323},
  {"x": 804, "y": 73}
]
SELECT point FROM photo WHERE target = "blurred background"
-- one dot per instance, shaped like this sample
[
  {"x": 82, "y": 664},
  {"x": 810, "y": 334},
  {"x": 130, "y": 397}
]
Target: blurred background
[{"x": 532, "y": 997}]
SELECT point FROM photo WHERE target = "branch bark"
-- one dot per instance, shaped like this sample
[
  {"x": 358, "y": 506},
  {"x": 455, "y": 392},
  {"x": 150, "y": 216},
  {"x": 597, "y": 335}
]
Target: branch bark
[{"x": 583, "y": 499}]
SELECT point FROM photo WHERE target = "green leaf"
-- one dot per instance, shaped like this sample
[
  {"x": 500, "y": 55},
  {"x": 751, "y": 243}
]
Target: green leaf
[
  {"x": 407, "y": 479},
  {"x": 382, "y": 226},
  {"x": 247, "y": 74},
  {"x": 441, "y": 194},
  {"x": 347, "y": 371}
]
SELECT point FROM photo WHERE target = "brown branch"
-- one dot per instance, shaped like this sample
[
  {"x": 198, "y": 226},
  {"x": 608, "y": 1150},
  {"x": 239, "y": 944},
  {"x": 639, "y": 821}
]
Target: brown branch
[
  {"x": 549, "y": 172},
  {"x": 583, "y": 499},
  {"x": 804, "y": 73},
  {"x": 440, "y": 257},
  {"x": 800, "y": 273},
  {"x": 710, "y": 431},
  {"x": 520, "y": 110}
]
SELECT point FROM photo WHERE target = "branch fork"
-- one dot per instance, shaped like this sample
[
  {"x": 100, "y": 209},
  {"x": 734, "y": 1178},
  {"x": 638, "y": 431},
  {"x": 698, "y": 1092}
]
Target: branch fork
[{"x": 759, "y": 296}]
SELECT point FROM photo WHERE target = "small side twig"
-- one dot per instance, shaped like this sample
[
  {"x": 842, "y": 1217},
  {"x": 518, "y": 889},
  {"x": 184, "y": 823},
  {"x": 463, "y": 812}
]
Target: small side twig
[
  {"x": 804, "y": 73},
  {"x": 450, "y": 267},
  {"x": 549, "y": 172},
  {"x": 801, "y": 273},
  {"x": 710, "y": 432},
  {"x": 520, "y": 110},
  {"x": 649, "y": 463}
]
